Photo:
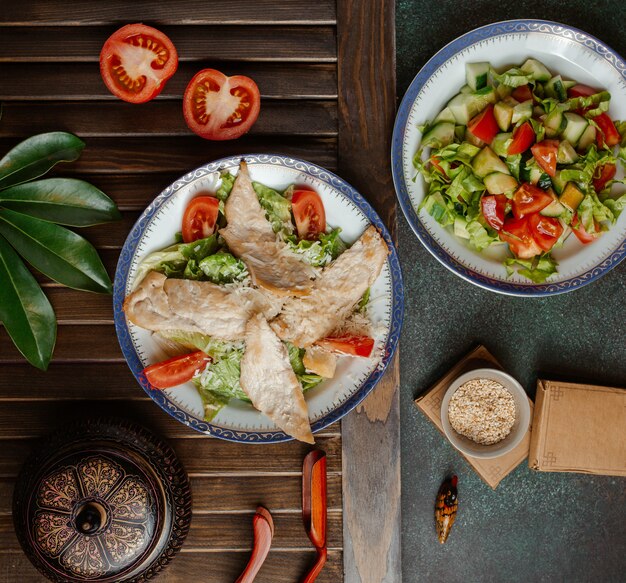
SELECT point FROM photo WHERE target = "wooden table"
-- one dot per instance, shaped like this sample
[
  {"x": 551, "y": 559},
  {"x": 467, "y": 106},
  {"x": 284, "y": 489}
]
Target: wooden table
[{"x": 327, "y": 78}]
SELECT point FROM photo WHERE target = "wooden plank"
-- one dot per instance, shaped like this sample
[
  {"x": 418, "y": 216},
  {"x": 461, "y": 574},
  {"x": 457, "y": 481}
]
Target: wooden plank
[
  {"x": 77, "y": 307},
  {"x": 115, "y": 118},
  {"x": 193, "y": 43},
  {"x": 371, "y": 434},
  {"x": 195, "y": 12},
  {"x": 82, "y": 81},
  {"x": 279, "y": 566},
  {"x": 184, "y": 153}
]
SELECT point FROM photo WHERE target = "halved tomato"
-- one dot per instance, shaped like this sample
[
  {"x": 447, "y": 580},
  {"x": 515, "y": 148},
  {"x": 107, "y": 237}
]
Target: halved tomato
[
  {"x": 516, "y": 232},
  {"x": 200, "y": 218},
  {"x": 545, "y": 153},
  {"x": 545, "y": 230},
  {"x": 136, "y": 61},
  {"x": 580, "y": 232},
  {"x": 522, "y": 93},
  {"x": 484, "y": 125},
  {"x": 217, "y": 107},
  {"x": 175, "y": 371},
  {"x": 523, "y": 138},
  {"x": 308, "y": 211},
  {"x": 581, "y": 91},
  {"x": 602, "y": 175},
  {"x": 608, "y": 133},
  {"x": 352, "y": 345},
  {"x": 493, "y": 207},
  {"x": 529, "y": 199}
]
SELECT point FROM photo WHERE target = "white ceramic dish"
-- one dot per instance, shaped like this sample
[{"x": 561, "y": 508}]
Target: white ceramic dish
[
  {"x": 522, "y": 415},
  {"x": 564, "y": 50}
]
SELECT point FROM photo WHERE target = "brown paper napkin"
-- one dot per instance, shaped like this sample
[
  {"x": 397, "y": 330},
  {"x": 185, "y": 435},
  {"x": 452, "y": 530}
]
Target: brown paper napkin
[
  {"x": 492, "y": 471},
  {"x": 579, "y": 428}
]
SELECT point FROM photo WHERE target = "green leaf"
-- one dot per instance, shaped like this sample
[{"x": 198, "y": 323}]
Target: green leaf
[
  {"x": 35, "y": 156},
  {"x": 24, "y": 309},
  {"x": 61, "y": 200},
  {"x": 60, "y": 254}
]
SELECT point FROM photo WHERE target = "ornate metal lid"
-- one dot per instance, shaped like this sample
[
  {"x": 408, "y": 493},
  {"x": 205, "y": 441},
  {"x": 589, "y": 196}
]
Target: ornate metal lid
[{"x": 102, "y": 500}]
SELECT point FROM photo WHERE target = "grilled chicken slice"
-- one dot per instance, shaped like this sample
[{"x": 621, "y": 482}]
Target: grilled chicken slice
[
  {"x": 303, "y": 321},
  {"x": 320, "y": 361},
  {"x": 250, "y": 236},
  {"x": 270, "y": 383}
]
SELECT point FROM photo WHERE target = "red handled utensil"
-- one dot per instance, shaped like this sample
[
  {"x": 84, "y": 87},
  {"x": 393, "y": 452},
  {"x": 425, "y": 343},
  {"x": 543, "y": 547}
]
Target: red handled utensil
[
  {"x": 263, "y": 527},
  {"x": 314, "y": 508}
]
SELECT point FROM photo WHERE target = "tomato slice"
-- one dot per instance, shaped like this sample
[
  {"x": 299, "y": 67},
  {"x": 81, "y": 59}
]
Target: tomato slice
[
  {"x": 529, "y": 199},
  {"x": 545, "y": 230},
  {"x": 608, "y": 133},
  {"x": 435, "y": 161},
  {"x": 581, "y": 91},
  {"x": 175, "y": 371},
  {"x": 200, "y": 218},
  {"x": 217, "y": 107},
  {"x": 493, "y": 207},
  {"x": 602, "y": 175},
  {"x": 308, "y": 211},
  {"x": 545, "y": 153},
  {"x": 522, "y": 93},
  {"x": 523, "y": 138},
  {"x": 351, "y": 345},
  {"x": 582, "y": 235},
  {"x": 516, "y": 232},
  {"x": 484, "y": 125},
  {"x": 136, "y": 61}
]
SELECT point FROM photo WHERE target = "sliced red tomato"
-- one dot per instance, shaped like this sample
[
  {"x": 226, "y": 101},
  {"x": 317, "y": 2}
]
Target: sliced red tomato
[
  {"x": 581, "y": 91},
  {"x": 516, "y": 232},
  {"x": 175, "y": 371},
  {"x": 545, "y": 230},
  {"x": 308, "y": 211},
  {"x": 580, "y": 232},
  {"x": 493, "y": 207},
  {"x": 545, "y": 153},
  {"x": 200, "y": 218},
  {"x": 484, "y": 125},
  {"x": 352, "y": 345},
  {"x": 217, "y": 107},
  {"x": 602, "y": 175},
  {"x": 136, "y": 61},
  {"x": 435, "y": 162},
  {"x": 529, "y": 199},
  {"x": 522, "y": 93},
  {"x": 608, "y": 133},
  {"x": 523, "y": 138}
]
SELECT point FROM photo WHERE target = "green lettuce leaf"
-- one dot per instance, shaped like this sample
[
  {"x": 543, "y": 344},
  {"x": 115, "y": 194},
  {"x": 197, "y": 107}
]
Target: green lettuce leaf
[
  {"x": 221, "y": 377},
  {"x": 514, "y": 77},
  {"x": 216, "y": 349},
  {"x": 307, "y": 380},
  {"x": 223, "y": 267},
  {"x": 535, "y": 270},
  {"x": 227, "y": 185},
  {"x": 479, "y": 236},
  {"x": 321, "y": 252},
  {"x": 616, "y": 206},
  {"x": 277, "y": 208},
  {"x": 592, "y": 210}
]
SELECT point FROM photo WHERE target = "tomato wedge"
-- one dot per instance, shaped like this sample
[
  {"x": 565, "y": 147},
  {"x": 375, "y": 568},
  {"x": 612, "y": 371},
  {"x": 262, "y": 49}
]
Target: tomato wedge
[
  {"x": 493, "y": 207},
  {"x": 308, "y": 211},
  {"x": 351, "y": 345},
  {"x": 529, "y": 199},
  {"x": 435, "y": 161},
  {"x": 217, "y": 107},
  {"x": 484, "y": 125},
  {"x": 522, "y": 93},
  {"x": 200, "y": 218},
  {"x": 603, "y": 175},
  {"x": 175, "y": 371},
  {"x": 516, "y": 232},
  {"x": 545, "y": 153},
  {"x": 136, "y": 61},
  {"x": 581, "y": 91},
  {"x": 545, "y": 230},
  {"x": 608, "y": 133},
  {"x": 582, "y": 235},
  {"x": 523, "y": 138}
]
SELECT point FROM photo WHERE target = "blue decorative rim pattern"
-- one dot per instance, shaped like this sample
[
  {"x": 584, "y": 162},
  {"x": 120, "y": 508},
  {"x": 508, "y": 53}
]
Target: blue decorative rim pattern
[
  {"x": 489, "y": 31},
  {"x": 134, "y": 238}
]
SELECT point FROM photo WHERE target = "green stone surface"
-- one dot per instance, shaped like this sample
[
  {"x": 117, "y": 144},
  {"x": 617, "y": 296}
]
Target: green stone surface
[{"x": 534, "y": 526}]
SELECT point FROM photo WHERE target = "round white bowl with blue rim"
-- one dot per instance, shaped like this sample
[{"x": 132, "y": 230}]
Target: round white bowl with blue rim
[
  {"x": 345, "y": 208},
  {"x": 567, "y": 51}
]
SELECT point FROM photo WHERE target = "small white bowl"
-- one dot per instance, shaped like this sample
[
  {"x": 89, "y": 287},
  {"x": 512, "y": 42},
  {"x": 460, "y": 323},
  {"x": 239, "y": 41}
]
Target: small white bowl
[{"x": 518, "y": 431}]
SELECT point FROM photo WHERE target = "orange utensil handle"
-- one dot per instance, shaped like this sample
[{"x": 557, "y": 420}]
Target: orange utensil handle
[
  {"x": 320, "y": 561},
  {"x": 263, "y": 532}
]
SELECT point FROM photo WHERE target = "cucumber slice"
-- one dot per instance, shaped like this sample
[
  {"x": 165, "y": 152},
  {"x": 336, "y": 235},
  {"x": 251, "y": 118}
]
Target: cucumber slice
[
  {"x": 544, "y": 182},
  {"x": 554, "y": 209},
  {"x": 537, "y": 69},
  {"x": 499, "y": 183},
  {"x": 459, "y": 133},
  {"x": 558, "y": 183},
  {"x": 440, "y": 135},
  {"x": 503, "y": 91},
  {"x": 503, "y": 113},
  {"x": 500, "y": 144},
  {"x": 575, "y": 128},
  {"x": 444, "y": 115},
  {"x": 571, "y": 197},
  {"x": 460, "y": 228},
  {"x": 523, "y": 111},
  {"x": 534, "y": 175},
  {"x": 588, "y": 138},
  {"x": 511, "y": 101},
  {"x": 466, "y": 89},
  {"x": 472, "y": 139},
  {"x": 569, "y": 84},
  {"x": 465, "y": 106},
  {"x": 566, "y": 153},
  {"x": 554, "y": 88},
  {"x": 555, "y": 122},
  {"x": 477, "y": 75},
  {"x": 487, "y": 162}
]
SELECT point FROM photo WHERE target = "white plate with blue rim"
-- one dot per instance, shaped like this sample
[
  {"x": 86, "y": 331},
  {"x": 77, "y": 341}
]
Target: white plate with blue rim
[
  {"x": 567, "y": 51},
  {"x": 355, "y": 377}
]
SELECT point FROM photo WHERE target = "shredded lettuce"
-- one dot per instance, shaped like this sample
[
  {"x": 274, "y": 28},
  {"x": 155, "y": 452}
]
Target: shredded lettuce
[
  {"x": 223, "y": 267},
  {"x": 616, "y": 205},
  {"x": 479, "y": 236},
  {"x": 600, "y": 100},
  {"x": 591, "y": 211},
  {"x": 364, "y": 301},
  {"x": 228, "y": 180},
  {"x": 277, "y": 208},
  {"x": 321, "y": 252},
  {"x": 307, "y": 380},
  {"x": 514, "y": 77},
  {"x": 221, "y": 377},
  {"x": 537, "y": 270}
]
